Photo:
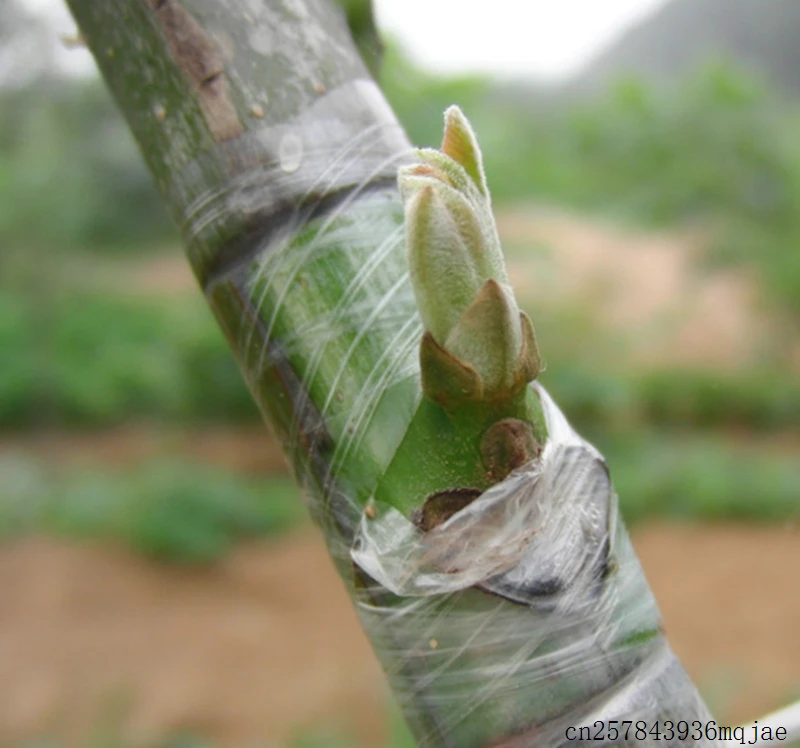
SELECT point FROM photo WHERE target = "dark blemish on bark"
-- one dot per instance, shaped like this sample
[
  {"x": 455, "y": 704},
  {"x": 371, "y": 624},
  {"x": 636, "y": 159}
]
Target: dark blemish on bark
[
  {"x": 202, "y": 63},
  {"x": 218, "y": 109},
  {"x": 210, "y": 80}
]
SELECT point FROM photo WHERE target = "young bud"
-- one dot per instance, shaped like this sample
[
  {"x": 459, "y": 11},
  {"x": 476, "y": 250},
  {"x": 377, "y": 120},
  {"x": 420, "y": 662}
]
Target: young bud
[{"x": 478, "y": 345}]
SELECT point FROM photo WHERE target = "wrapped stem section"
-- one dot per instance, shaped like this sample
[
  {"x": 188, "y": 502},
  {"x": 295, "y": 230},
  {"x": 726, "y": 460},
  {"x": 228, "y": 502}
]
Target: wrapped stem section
[{"x": 502, "y": 624}]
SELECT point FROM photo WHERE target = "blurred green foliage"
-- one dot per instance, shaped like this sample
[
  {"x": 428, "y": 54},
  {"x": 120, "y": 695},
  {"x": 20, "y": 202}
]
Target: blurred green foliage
[
  {"x": 675, "y": 397},
  {"x": 70, "y": 173},
  {"x": 169, "y": 510},
  {"x": 719, "y": 151},
  {"x": 95, "y": 360},
  {"x": 689, "y": 476},
  {"x": 92, "y": 360},
  {"x": 81, "y": 359},
  {"x": 184, "y": 512}
]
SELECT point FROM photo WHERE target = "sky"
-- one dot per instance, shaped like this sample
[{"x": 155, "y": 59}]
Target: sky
[{"x": 543, "y": 39}]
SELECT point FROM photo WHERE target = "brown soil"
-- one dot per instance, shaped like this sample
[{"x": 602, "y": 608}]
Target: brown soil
[
  {"x": 643, "y": 287},
  {"x": 256, "y": 648},
  {"x": 729, "y": 597},
  {"x": 266, "y": 645},
  {"x": 243, "y": 450},
  {"x": 158, "y": 276}
]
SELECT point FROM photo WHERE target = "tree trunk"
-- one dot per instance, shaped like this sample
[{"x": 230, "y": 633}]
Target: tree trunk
[{"x": 277, "y": 156}]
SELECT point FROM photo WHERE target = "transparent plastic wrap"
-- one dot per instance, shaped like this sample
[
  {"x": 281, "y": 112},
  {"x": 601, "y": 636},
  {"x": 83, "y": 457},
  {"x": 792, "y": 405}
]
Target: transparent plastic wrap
[
  {"x": 524, "y": 614},
  {"x": 527, "y": 608}
]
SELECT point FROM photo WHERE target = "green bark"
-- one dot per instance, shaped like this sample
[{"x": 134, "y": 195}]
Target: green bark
[
  {"x": 261, "y": 126},
  {"x": 277, "y": 158}
]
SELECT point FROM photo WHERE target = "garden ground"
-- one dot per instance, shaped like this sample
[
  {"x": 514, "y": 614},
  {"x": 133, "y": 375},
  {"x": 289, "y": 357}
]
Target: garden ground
[{"x": 264, "y": 645}]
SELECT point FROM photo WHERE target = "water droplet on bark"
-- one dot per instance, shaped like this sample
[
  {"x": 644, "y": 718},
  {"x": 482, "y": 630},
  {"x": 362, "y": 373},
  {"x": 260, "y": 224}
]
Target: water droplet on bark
[{"x": 290, "y": 152}]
